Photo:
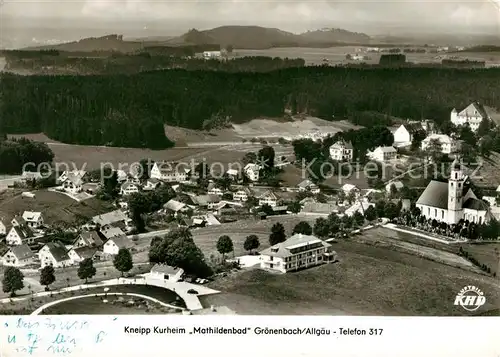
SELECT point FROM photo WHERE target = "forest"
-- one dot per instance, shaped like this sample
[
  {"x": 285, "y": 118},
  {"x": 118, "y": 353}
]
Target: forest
[
  {"x": 15, "y": 153},
  {"x": 130, "y": 110}
]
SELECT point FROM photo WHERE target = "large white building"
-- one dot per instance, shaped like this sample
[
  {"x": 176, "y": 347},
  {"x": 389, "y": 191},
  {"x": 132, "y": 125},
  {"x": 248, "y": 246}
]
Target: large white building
[
  {"x": 170, "y": 172},
  {"x": 300, "y": 251},
  {"x": 472, "y": 115},
  {"x": 448, "y": 145},
  {"x": 252, "y": 171},
  {"x": 383, "y": 154},
  {"x": 341, "y": 151},
  {"x": 452, "y": 201}
]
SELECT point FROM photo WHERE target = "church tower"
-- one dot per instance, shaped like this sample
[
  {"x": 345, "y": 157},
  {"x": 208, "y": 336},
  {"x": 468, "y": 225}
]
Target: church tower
[{"x": 455, "y": 193}]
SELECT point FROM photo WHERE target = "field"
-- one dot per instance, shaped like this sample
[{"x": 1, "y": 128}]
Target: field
[
  {"x": 485, "y": 254},
  {"x": 337, "y": 55},
  {"x": 55, "y": 206},
  {"x": 368, "y": 280}
]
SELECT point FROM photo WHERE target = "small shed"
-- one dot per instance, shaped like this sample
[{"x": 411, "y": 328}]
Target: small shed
[{"x": 166, "y": 272}]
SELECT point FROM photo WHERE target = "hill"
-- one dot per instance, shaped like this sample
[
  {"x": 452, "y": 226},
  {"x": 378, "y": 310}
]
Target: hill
[{"x": 328, "y": 35}]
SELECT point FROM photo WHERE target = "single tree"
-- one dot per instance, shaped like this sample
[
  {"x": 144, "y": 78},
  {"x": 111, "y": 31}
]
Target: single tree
[
  {"x": 302, "y": 228},
  {"x": 86, "y": 269},
  {"x": 47, "y": 276},
  {"x": 12, "y": 281},
  {"x": 277, "y": 235},
  {"x": 224, "y": 245},
  {"x": 295, "y": 207},
  {"x": 251, "y": 243},
  {"x": 123, "y": 261},
  {"x": 358, "y": 218},
  {"x": 370, "y": 213},
  {"x": 322, "y": 227}
]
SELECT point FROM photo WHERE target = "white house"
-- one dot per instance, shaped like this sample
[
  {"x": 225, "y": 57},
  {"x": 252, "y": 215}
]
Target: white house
[
  {"x": 341, "y": 151},
  {"x": 33, "y": 219},
  {"x": 72, "y": 181},
  {"x": 252, "y": 171},
  {"x": 79, "y": 254},
  {"x": 212, "y": 54},
  {"x": 242, "y": 194},
  {"x": 233, "y": 174},
  {"x": 473, "y": 115},
  {"x": 128, "y": 188},
  {"x": 452, "y": 201},
  {"x": 348, "y": 188},
  {"x": 3, "y": 228},
  {"x": 88, "y": 239},
  {"x": 448, "y": 145},
  {"x": 212, "y": 189},
  {"x": 175, "y": 207},
  {"x": 268, "y": 198},
  {"x": 111, "y": 232},
  {"x": 308, "y": 185},
  {"x": 151, "y": 184},
  {"x": 360, "y": 207},
  {"x": 206, "y": 201},
  {"x": 397, "y": 184},
  {"x": 297, "y": 252},
  {"x": 19, "y": 235},
  {"x": 383, "y": 154},
  {"x": 115, "y": 217},
  {"x": 113, "y": 245},
  {"x": 403, "y": 135},
  {"x": 166, "y": 272},
  {"x": 169, "y": 172},
  {"x": 54, "y": 254},
  {"x": 18, "y": 256}
]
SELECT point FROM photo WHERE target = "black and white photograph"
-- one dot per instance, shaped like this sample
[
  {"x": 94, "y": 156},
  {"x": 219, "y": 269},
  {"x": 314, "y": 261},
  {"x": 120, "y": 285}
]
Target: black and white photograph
[{"x": 243, "y": 158}]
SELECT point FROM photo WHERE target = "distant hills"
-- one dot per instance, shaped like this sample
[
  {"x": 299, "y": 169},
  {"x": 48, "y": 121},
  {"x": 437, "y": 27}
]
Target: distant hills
[{"x": 239, "y": 37}]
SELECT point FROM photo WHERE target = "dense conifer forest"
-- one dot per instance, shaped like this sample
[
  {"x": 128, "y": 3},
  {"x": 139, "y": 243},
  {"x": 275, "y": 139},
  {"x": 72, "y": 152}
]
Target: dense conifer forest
[{"x": 130, "y": 110}]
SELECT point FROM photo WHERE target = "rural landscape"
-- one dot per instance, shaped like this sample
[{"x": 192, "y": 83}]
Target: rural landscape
[{"x": 250, "y": 170}]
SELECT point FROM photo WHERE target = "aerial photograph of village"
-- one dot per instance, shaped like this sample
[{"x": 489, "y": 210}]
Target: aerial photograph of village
[{"x": 261, "y": 162}]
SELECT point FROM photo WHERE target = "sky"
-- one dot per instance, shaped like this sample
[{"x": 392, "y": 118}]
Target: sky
[{"x": 371, "y": 16}]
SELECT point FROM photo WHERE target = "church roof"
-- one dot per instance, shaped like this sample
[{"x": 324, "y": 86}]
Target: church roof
[
  {"x": 435, "y": 195},
  {"x": 475, "y": 204}
]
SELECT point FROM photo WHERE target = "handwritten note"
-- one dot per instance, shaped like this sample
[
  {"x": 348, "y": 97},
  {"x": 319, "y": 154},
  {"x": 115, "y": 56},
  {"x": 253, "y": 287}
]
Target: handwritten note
[{"x": 46, "y": 336}]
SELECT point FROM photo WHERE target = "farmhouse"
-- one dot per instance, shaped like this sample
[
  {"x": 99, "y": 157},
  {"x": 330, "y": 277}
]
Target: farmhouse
[
  {"x": 19, "y": 235},
  {"x": 88, "y": 239},
  {"x": 166, "y": 272},
  {"x": 175, "y": 207},
  {"x": 383, "y": 154},
  {"x": 66, "y": 174},
  {"x": 33, "y": 219},
  {"x": 403, "y": 135},
  {"x": 72, "y": 181},
  {"x": 472, "y": 115},
  {"x": 18, "y": 256},
  {"x": 112, "y": 218},
  {"x": 252, "y": 171},
  {"x": 111, "y": 232},
  {"x": 451, "y": 201},
  {"x": 211, "y": 54},
  {"x": 242, "y": 194},
  {"x": 348, "y": 188},
  {"x": 214, "y": 190},
  {"x": 206, "y": 201},
  {"x": 128, "y": 188},
  {"x": 342, "y": 151},
  {"x": 233, "y": 174},
  {"x": 448, "y": 145},
  {"x": 169, "y": 172},
  {"x": 360, "y": 207},
  {"x": 113, "y": 245},
  {"x": 54, "y": 254},
  {"x": 151, "y": 184},
  {"x": 79, "y": 254},
  {"x": 268, "y": 198},
  {"x": 297, "y": 252},
  {"x": 307, "y": 185}
]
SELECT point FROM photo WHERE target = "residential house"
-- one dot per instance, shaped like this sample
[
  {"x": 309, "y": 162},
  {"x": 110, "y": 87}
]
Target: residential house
[
  {"x": 383, "y": 154},
  {"x": 72, "y": 181},
  {"x": 397, "y": 184},
  {"x": 308, "y": 185},
  {"x": 206, "y": 201},
  {"x": 29, "y": 176},
  {"x": 403, "y": 135},
  {"x": 360, "y": 207},
  {"x": 151, "y": 184},
  {"x": 166, "y": 272},
  {"x": 113, "y": 218},
  {"x": 212, "y": 189},
  {"x": 54, "y": 254},
  {"x": 242, "y": 194},
  {"x": 297, "y": 252},
  {"x": 128, "y": 188},
  {"x": 318, "y": 209},
  {"x": 472, "y": 115},
  {"x": 268, "y": 198},
  {"x": 18, "y": 221},
  {"x": 88, "y": 239},
  {"x": 169, "y": 172},
  {"x": 349, "y": 188},
  {"x": 79, "y": 254},
  {"x": 19, "y": 235},
  {"x": 18, "y": 256},
  {"x": 121, "y": 175},
  {"x": 113, "y": 245},
  {"x": 448, "y": 144},
  {"x": 175, "y": 207},
  {"x": 452, "y": 201},
  {"x": 233, "y": 174},
  {"x": 342, "y": 151},
  {"x": 252, "y": 171},
  {"x": 33, "y": 219},
  {"x": 109, "y": 232},
  {"x": 3, "y": 227}
]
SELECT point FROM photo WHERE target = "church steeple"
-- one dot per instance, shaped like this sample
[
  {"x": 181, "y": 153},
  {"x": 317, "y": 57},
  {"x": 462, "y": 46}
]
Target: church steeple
[{"x": 455, "y": 192}]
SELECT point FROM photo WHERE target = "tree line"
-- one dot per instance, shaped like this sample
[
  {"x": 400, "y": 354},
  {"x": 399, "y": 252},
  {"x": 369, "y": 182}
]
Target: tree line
[
  {"x": 15, "y": 153},
  {"x": 130, "y": 110}
]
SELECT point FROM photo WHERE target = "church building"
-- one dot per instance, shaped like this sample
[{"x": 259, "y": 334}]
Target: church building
[{"x": 452, "y": 201}]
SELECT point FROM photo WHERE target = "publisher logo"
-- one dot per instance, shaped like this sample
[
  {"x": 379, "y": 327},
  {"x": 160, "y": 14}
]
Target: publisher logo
[{"x": 470, "y": 298}]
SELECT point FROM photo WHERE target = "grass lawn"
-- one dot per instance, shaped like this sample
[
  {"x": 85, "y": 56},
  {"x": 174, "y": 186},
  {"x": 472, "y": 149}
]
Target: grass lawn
[
  {"x": 54, "y": 206},
  {"x": 93, "y": 305},
  {"x": 368, "y": 280},
  {"x": 485, "y": 254}
]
